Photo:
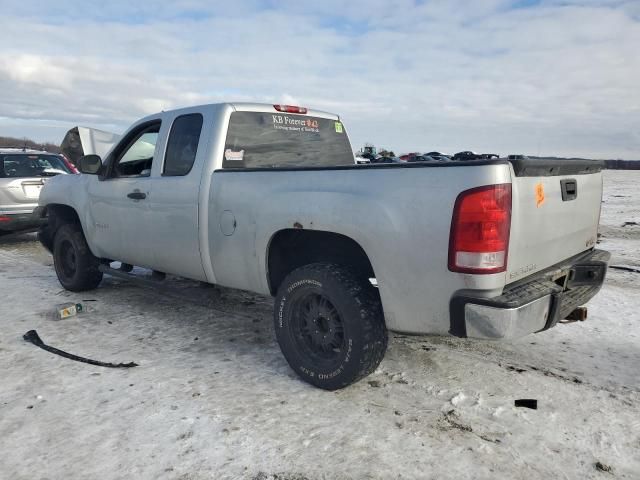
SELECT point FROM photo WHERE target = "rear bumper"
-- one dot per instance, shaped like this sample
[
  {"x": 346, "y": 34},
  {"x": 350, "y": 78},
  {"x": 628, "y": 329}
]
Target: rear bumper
[
  {"x": 532, "y": 305},
  {"x": 15, "y": 222}
]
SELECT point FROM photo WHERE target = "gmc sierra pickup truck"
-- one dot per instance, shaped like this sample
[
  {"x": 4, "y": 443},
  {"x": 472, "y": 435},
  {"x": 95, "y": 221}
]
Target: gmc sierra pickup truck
[{"x": 268, "y": 198}]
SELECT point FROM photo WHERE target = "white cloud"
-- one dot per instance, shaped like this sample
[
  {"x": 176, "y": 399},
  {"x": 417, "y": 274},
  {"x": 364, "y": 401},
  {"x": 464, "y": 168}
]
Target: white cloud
[
  {"x": 558, "y": 78},
  {"x": 35, "y": 71}
]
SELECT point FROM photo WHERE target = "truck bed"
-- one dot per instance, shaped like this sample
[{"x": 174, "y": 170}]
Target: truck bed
[{"x": 400, "y": 214}]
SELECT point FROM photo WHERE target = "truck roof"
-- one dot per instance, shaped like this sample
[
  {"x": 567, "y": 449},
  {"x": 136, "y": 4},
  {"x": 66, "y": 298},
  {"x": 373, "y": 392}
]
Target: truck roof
[
  {"x": 269, "y": 108},
  {"x": 249, "y": 107}
]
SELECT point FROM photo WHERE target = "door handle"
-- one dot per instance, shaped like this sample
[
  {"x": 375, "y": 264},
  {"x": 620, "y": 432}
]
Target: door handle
[{"x": 137, "y": 195}]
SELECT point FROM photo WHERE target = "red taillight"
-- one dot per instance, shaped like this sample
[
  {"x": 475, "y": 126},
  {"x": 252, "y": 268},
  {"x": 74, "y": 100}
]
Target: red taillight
[
  {"x": 70, "y": 165},
  {"x": 479, "y": 240},
  {"x": 4, "y": 219},
  {"x": 290, "y": 109}
]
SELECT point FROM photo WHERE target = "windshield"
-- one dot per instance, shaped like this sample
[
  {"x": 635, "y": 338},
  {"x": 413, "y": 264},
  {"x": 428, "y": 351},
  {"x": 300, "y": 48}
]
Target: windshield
[
  {"x": 265, "y": 140},
  {"x": 31, "y": 165}
]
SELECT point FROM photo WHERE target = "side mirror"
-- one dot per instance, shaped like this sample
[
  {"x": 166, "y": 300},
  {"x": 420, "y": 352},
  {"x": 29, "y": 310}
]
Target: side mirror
[{"x": 90, "y": 164}]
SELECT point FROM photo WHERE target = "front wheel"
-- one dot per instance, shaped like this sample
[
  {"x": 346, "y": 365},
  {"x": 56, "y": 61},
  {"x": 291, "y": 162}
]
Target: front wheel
[
  {"x": 329, "y": 324},
  {"x": 76, "y": 267}
]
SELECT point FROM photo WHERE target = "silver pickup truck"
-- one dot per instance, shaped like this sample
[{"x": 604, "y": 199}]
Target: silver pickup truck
[{"x": 268, "y": 198}]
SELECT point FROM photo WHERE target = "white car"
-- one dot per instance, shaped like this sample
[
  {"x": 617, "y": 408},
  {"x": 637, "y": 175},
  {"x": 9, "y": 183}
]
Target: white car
[{"x": 23, "y": 173}]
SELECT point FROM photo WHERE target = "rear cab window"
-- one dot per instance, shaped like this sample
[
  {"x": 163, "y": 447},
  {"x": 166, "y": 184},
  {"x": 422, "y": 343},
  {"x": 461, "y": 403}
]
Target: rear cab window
[
  {"x": 182, "y": 145},
  {"x": 285, "y": 140},
  {"x": 25, "y": 165}
]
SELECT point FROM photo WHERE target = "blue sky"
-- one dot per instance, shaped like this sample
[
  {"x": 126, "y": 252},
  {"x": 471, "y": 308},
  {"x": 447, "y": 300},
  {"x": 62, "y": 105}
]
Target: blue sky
[{"x": 537, "y": 77}]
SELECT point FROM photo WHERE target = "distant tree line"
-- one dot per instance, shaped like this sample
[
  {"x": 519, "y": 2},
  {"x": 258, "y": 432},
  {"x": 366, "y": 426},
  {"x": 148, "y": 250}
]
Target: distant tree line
[
  {"x": 11, "y": 142},
  {"x": 622, "y": 164},
  {"x": 608, "y": 164}
]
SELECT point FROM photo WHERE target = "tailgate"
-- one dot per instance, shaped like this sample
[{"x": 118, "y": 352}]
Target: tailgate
[
  {"x": 19, "y": 191},
  {"x": 31, "y": 190},
  {"x": 555, "y": 213}
]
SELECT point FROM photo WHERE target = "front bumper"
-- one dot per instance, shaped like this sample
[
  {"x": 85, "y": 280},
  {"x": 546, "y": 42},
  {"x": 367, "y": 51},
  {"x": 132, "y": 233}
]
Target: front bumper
[
  {"x": 534, "y": 304},
  {"x": 16, "y": 222}
]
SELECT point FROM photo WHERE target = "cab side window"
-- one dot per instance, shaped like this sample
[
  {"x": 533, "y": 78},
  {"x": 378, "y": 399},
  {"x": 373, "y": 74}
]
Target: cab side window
[
  {"x": 182, "y": 145},
  {"x": 136, "y": 159}
]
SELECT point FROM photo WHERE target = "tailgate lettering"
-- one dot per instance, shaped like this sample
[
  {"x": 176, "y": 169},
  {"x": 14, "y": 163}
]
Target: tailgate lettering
[{"x": 521, "y": 271}]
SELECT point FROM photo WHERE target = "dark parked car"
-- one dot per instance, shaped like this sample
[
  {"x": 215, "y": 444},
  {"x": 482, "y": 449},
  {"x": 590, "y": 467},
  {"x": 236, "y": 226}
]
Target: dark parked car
[
  {"x": 386, "y": 159},
  {"x": 442, "y": 157},
  {"x": 466, "y": 155},
  {"x": 417, "y": 157},
  {"x": 469, "y": 155}
]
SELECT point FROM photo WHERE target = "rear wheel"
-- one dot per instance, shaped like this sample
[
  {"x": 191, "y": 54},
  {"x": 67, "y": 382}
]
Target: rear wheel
[
  {"x": 76, "y": 267},
  {"x": 329, "y": 324}
]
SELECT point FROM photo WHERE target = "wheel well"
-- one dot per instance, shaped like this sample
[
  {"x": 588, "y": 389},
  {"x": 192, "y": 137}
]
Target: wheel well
[
  {"x": 57, "y": 215},
  {"x": 293, "y": 248}
]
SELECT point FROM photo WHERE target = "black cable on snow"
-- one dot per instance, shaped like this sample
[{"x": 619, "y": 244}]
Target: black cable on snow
[{"x": 33, "y": 337}]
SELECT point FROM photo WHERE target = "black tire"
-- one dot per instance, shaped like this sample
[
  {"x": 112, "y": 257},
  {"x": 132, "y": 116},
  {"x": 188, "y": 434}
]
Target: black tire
[
  {"x": 75, "y": 265},
  {"x": 329, "y": 324}
]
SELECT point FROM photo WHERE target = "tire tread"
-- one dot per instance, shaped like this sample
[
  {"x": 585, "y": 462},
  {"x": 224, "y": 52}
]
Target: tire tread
[
  {"x": 371, "y": 315},
  {"x": 91, "y": 276}
]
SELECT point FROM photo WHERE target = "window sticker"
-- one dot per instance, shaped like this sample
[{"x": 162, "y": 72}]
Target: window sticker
[
  {"x": 338, "y": 127},
  {"x": 293, "y": 124},
  {"x": 231, "y": 155},
  {"x": 274, "y": 140}
]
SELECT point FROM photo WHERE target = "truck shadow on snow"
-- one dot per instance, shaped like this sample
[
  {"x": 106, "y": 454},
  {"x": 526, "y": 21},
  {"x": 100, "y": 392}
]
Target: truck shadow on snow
[
  {"x": 26, "y": 245},
  {"x": 197, "y": 324},
  {"x": 17, "y": 239},
  {"x": 204, "y": 325}
]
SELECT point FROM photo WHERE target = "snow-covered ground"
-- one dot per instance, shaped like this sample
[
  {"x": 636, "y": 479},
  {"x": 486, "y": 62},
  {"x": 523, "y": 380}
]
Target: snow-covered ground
[{"x": 214, "y": 398}]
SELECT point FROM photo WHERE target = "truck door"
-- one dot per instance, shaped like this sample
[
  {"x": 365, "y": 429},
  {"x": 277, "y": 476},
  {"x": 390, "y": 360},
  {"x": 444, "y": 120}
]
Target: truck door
[
  {"x": 119, "y": 200},
  {"x": 173, "y": 208}
]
